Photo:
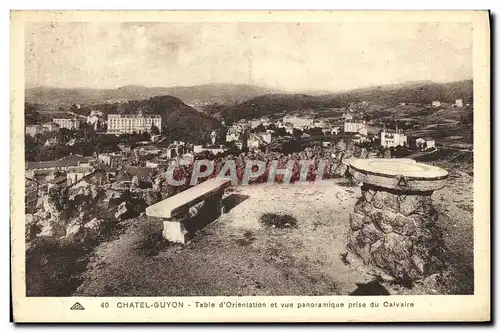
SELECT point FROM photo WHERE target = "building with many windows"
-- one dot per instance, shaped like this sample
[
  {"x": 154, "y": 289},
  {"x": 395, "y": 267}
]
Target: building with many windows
[
  {"x": 389, "y": 138},
  {"x": 68, "y": 123},
  {"x": 130, "y": 123},
  {"x": 353, "y": 126}
]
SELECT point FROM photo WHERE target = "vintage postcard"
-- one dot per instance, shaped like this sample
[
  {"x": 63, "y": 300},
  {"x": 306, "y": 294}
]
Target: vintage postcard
[{"x": 232, "y": 166}]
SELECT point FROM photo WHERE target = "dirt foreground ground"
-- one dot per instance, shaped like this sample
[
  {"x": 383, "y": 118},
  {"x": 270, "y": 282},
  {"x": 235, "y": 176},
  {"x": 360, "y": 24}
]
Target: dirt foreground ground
[{"x": 237, "y": 255}]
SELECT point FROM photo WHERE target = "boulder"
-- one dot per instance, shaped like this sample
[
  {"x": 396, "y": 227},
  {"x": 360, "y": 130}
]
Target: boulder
[
  {"x": 381, "y": 219},
  {"x": 51, "y": 228},
  {"x": 94, "y": 225},
  {"x": 123, "y": 210},
  {"x": 51, "y": 209},
  {"x": 92, "y": 229},
  {"x": 394, "y": 255},
  {"x": 356, "y": 221},
  {"x": 371, "y": 234},
  {"x": 404, "y": 225},
  {"x": 368, "y": 195},
  {"x": 74, "y": 227},
  {"x": 386, "y": 200},
  {"x": 408, "y": 204}
]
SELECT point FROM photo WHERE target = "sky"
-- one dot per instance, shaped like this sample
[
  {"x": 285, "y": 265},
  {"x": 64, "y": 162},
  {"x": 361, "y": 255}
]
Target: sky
[{"x": 288, "y": 56}]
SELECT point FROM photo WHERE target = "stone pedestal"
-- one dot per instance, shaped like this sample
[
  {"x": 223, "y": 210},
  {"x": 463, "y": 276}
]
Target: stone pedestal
[{"x": 393, "y": 225}]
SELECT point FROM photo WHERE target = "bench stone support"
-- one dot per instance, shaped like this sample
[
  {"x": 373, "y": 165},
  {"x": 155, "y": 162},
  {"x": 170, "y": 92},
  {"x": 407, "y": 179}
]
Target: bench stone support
[
  {"x": 174, "y": 230},
  {"x": 214, "y": 206}
]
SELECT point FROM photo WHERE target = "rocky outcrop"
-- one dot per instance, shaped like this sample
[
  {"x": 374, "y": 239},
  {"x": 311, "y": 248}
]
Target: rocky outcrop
[
  {"x": 123, "y": 211},
  {"x": 51, "y": 227}
]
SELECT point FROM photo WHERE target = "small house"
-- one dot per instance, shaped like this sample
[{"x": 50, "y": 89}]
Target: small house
[{"x": 424, "y": 143}]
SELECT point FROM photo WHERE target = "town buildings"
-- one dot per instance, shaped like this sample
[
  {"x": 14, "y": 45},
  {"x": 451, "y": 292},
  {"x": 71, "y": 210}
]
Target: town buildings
[
  {"x": 68, "y": 123},
  {"x": 176, "y": 149},
  {"x": 425, "y": 143},
  {"x": 389, "y": 138},
  {"x": 53, "y": 141},
  {"x": 33, "y": 130},
  {"x": 330, "y": 130},
  {"x": 232, "y": 135},
  {"x": 132, "y": 123},
  {"x": 299, "y": 122},
  {"x": 213, "y": 148},
  {"x": 51, "y": 126},
  {"x": 65, "y": 163},
  {"x": 459, "y": 103},
  {"x": 113, "y": 160},
  {"x": 436, "y": 103},
  {"x": 353, "y": 126},
  {"x": 77, "y": 173},
  {"x": 95, "y": 118}
]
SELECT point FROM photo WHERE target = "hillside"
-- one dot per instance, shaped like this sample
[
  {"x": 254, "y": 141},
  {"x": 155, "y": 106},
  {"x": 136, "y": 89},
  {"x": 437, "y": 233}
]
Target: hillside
[
  {"x": 275, "y": 103},
  {"x": 424, "y": 92},
  {"x": 421, "y": 92},
  {"x": 207, "y": 93},
  {"x": 180, "y": 121},
  {"x": 239, "y": 255}
]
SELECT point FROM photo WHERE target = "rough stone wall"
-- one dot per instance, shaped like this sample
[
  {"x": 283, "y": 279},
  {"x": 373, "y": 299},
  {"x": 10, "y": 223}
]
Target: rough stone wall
[{"x": 396, "y": 233}]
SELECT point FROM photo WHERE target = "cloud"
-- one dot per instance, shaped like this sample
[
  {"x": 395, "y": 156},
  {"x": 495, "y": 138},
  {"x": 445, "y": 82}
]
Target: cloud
[{"x": 294, "y": 56}]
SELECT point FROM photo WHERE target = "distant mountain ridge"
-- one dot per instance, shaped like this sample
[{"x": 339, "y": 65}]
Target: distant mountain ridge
[
  {"x": 421, "y": 92},
  {"x": 227, "y": 94},
  {"x": 424, "y": 92}
]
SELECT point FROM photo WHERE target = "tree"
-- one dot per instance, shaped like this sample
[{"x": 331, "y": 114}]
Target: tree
[
  {"x": 135, "y": 182},
  {"x": 244, "y": 138},
  {"x": 280, "y": 132},
  {"x": 297, "y": 132},
  {"x": 259, "y": 129},
  {"x": 58, "y": 198},
  {"x": 154, "y": 130},
  {"x": 467, "y": 118},
  {"x": 30, "y": 148},
  {"x": 315, "y": 131}
]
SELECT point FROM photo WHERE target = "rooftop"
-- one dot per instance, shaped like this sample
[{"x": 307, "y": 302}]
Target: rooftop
[
  {"x": 128, "y": 172},
  {"x": 74, "y": 158},
  {"x": 71, "y": 160}
]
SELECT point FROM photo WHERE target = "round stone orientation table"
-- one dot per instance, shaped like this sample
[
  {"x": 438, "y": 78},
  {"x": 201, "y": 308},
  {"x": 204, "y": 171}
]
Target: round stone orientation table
[
  {"x": 398, "y": 174},
  {"x": 393, "y": 226}
]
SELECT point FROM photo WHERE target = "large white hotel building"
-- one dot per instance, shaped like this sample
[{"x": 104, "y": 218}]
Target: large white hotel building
[
  {"x": 68, "y": 123},
  {"x": 130, "y": 123}
]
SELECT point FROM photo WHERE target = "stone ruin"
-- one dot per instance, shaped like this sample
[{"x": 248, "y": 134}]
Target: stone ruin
[{"x": 393, "y": 227}]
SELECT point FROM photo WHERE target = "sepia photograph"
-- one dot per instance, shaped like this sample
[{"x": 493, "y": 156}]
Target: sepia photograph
[{"x": 304, "y": 158}]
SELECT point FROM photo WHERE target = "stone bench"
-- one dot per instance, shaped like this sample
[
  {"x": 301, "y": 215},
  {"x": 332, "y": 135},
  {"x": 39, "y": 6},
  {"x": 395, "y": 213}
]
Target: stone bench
[{"x": 175, "y": 210}]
